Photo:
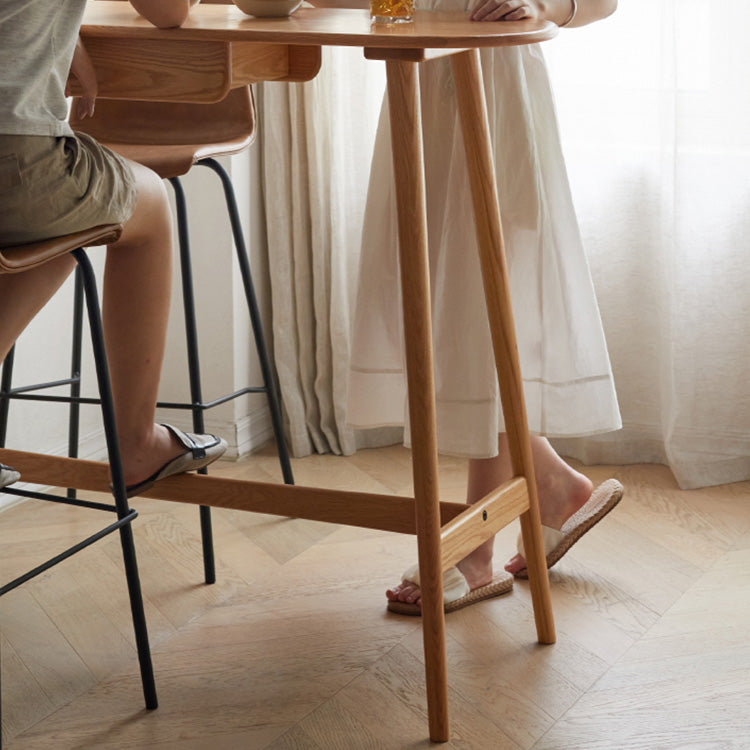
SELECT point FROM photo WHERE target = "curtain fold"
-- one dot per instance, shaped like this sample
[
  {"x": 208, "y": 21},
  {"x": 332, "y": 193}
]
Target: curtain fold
[
  {"x": 654, "y": 108},
  {"x": 317, "y": 140}
]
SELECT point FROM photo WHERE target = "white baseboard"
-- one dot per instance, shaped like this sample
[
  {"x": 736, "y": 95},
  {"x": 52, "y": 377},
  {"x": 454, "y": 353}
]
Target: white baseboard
[
  {"x": 244, "y": 435},
  {"x": 253, "y": 431}
]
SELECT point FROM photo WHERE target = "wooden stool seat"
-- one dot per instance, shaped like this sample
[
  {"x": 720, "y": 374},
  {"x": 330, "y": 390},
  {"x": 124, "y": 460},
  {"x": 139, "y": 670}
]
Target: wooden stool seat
[{"x": 24, "y": 257}]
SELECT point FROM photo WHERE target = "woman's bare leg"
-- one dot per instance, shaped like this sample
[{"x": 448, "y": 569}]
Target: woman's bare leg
[{"x": 562, "y": 491}]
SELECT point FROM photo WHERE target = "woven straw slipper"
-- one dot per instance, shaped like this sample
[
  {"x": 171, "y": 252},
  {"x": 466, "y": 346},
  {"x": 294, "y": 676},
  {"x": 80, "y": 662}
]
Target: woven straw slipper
[
  {"x": 557, "y": 543},
  {"x": 456, "y": 592}
]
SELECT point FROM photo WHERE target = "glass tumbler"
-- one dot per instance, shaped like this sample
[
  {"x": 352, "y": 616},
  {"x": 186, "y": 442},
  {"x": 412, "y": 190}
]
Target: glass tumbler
[{"x": 391, "y": 11}]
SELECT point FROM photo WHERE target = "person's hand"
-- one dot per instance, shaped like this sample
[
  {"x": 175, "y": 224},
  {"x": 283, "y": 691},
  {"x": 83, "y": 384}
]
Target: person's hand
[
  {"x": 83, "y": 71},
  {"x": 83, "y": 106},
  {"x": 506, "y": 10}
]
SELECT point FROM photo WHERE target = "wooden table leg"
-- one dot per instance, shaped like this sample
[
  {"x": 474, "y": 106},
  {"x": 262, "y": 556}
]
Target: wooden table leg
[
  {"x": 406, "y": 133},
  {"x": 472, "y": 106}
]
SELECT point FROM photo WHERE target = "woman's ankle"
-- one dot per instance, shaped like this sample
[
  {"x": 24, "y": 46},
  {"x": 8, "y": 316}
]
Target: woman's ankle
[
  {"x": 477, "y": 565},
  {"x": 561, "y": 495}
]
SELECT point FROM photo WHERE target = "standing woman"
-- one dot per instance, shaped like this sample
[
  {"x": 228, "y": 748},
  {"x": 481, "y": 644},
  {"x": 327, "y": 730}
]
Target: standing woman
[
  {"x": 568, "y": 382},
  {"x": 54, "y": 182}
]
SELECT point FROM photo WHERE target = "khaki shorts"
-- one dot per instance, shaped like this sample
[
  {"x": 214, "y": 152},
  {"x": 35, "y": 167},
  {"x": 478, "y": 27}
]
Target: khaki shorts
[{"x": 53, "y": 186}]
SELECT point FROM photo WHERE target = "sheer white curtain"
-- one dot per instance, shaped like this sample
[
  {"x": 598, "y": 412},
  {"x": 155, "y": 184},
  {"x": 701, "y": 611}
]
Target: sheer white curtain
[
  {"x": 654, "y": 105},
  {"x": 317, "y": 141}
]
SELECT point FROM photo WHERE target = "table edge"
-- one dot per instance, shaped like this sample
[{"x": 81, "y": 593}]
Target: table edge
[{"x": 299, "y": 29}]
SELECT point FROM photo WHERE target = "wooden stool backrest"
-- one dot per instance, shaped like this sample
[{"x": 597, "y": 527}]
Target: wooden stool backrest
[{"x": 171, "y": 123}]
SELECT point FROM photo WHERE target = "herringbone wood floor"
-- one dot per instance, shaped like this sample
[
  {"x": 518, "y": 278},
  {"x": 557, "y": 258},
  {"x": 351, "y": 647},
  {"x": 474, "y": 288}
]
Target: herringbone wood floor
[{"x": 292, "y": 647}]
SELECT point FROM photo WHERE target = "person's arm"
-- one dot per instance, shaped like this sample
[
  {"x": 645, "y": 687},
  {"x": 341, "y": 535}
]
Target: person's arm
[
  {"x": 164, "y": 13},
  {"x": 558, "y": 11},
  {"x": 82, "y": 69}
]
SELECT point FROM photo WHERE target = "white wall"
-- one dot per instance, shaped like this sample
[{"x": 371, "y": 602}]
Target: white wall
[{"x": 227, "y": 347}]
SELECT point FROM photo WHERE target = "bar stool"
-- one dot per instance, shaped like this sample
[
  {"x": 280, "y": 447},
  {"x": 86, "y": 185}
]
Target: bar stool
[
  {"x": 25, "y": 257},
  {"x": 170, "y": 138}
]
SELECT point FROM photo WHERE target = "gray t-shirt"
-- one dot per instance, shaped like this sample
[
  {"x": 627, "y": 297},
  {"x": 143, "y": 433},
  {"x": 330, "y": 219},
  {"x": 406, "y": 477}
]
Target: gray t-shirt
[{"x": 37, "y": 39}]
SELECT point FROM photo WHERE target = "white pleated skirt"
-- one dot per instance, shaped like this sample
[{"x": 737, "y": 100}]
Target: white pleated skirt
[{"x": 565, "y": 366}]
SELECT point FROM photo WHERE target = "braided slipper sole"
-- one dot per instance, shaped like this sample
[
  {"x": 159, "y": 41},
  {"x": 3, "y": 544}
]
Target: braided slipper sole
[
  {"x": 603, "y": 499},
  {"x": 502, "y": 583}
]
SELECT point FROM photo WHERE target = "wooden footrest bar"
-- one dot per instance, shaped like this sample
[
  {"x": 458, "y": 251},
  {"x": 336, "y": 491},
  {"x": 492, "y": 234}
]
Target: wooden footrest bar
[
  {"x": 484, "y": 519},
  {"x": 368, "y": 510}
]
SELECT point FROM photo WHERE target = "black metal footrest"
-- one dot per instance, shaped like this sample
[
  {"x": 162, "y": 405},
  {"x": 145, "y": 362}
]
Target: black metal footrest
[{"x": 68, "y": 552}]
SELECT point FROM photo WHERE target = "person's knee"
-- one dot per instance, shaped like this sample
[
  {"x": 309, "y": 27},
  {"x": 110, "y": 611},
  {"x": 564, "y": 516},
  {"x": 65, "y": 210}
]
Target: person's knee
[
  {"x": 152, "y": 218},
  {"x": 152, "y": 191}
]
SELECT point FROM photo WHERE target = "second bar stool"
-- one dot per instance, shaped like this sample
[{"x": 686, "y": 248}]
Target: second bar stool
[{"x": 171, "y": 138}]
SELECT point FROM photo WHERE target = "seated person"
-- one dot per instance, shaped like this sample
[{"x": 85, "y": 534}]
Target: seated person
[{"x": 54, "y": 182}]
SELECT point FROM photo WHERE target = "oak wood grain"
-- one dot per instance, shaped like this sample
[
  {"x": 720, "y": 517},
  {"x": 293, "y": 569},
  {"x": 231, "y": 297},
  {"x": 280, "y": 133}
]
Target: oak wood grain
[
  {"x": 370, "y": 510},
  {"x": 622, "y": 675},
  {"x": 482, "y": 520},
  {"x": 408, "y": 168},
  {"x": 476, "y": 137},
  {"x": 316, "y": 26}
]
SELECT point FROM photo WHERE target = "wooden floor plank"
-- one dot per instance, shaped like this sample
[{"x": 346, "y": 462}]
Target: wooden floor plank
[
  {"x": 292, "y": 648},
  {"x": 27, "y": 704}
]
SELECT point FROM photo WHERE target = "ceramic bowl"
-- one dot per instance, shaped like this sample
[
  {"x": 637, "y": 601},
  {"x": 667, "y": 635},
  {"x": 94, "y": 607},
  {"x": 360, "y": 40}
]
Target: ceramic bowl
[{"x": 268, "y": 8}]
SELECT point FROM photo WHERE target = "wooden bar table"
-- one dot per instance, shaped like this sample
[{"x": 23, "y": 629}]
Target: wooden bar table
[{"x": 219, "y": 48}]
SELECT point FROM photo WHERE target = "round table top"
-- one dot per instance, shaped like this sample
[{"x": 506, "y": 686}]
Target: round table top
[{"x": 318, "y": 27}]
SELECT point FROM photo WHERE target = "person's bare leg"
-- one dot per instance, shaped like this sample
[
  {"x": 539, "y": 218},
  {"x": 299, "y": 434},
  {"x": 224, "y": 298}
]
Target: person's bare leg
[
  {"x": 23, "y": 295},
  {"x": 562, "y": 491},
  {"x": 137, "y": 284},
  {"x": 135, "y": 310}
]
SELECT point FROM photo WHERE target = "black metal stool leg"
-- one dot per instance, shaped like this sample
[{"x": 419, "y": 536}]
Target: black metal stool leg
[
  {"x": 5, "y": 385},
  {"x": 196, "y": 391},
  {"x": 269, "y": 382},
  {"x": 118, "y": 480},
  {"x": 74, "y": 413}
]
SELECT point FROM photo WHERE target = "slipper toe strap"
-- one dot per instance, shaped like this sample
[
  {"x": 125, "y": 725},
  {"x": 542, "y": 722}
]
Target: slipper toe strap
[
  {"x": 551, "y": 537},
  {"x": 454, "y": 583},
  {"x": 196, "y": 444}
]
